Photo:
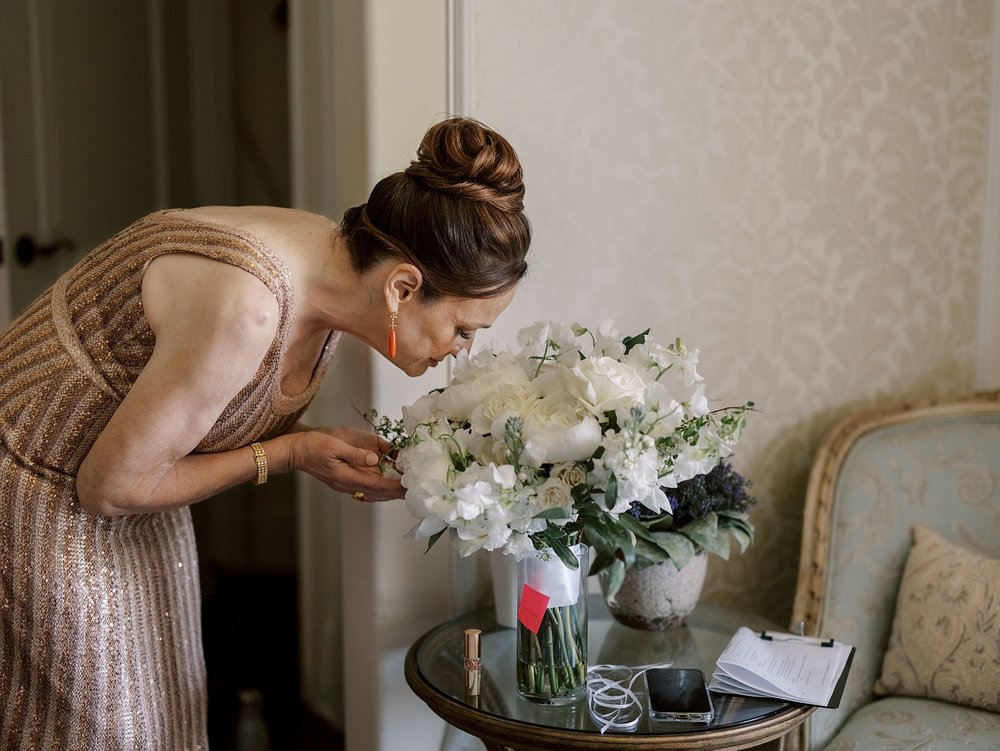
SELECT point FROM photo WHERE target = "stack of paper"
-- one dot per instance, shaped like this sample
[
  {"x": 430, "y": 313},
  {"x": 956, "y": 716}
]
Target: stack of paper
[{"x": 783, "y": 666}]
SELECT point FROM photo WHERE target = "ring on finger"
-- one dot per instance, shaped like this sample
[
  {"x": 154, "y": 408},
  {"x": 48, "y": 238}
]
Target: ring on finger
[{"x": 358, "y": 497}]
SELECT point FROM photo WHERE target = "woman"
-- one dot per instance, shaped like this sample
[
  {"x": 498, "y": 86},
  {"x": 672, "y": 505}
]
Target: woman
[{"x": 172, "y": 363}]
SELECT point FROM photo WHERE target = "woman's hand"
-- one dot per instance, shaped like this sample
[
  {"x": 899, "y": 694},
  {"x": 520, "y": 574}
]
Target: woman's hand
[{"x": 346, "y": 459}]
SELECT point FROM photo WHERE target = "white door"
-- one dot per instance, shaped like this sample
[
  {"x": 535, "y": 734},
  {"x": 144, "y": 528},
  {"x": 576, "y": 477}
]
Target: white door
[{"x": 80, "y": 142}]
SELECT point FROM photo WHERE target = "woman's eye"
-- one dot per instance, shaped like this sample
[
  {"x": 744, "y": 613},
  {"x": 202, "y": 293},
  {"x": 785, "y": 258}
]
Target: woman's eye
[{"x": 464, "y": 334}]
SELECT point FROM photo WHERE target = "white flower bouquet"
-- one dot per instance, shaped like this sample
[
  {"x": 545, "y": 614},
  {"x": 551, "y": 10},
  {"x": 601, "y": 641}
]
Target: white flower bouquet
[{"x": 551, "y": 445}]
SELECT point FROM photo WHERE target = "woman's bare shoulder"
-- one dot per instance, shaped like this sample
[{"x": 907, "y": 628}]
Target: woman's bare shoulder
[
  {"x": 265, "y": 222},
  {"x": 297, "y": 237},
  {"x": 181, "y": 289}
]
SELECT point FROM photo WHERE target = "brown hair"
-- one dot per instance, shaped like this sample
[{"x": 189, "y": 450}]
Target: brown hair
[{"x": 456, "y": 213}]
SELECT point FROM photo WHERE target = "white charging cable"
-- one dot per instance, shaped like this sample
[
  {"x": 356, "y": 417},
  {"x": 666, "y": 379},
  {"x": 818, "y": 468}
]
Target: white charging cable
[{"x": 612, "y": 702}]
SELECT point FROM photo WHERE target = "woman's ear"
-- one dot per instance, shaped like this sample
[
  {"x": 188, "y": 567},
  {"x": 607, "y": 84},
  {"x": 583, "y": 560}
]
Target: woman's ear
[{"x": 402, "y": 284}]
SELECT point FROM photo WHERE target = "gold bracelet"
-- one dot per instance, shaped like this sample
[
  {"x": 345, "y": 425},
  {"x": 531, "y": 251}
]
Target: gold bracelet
[{"x": 261, "y": 459}]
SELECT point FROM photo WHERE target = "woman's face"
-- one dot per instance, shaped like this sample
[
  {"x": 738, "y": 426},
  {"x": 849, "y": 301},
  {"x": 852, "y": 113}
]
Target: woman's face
[{"x": 426, "y": 333}]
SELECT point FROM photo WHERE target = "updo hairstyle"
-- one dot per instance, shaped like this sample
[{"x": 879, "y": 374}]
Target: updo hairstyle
[{"x": 456, "y": 213}]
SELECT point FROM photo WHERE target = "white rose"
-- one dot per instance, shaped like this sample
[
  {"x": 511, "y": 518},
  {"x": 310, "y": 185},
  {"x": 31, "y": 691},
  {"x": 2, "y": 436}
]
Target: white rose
[
  {"x": 557, "y": 408},
  {"x": 509, "y": 400},
  {"x": 554, "y": 442},
  {"x": 460, "y": 399},
  {"x": 492, "y": 358},
  {"x": 606, "y": 384},
  {"x": 425, "y": 461},
  {"x": 570, "y": 473},
  {"x": 554, "y": 493}
]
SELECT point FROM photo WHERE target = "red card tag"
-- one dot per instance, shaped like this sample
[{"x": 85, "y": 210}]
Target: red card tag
[{"x": 532, "y": 608}]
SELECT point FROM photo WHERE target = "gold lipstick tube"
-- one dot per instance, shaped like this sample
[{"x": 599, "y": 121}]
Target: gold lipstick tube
[{"x": 473, "y": 661}]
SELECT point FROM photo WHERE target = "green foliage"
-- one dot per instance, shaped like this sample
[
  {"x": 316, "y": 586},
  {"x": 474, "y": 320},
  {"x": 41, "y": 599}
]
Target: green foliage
[{"x": 709, "y": 512}]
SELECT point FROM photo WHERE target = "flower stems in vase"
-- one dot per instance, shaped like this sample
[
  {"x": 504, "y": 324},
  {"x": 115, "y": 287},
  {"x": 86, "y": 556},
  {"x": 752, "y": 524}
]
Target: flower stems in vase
[
  {"x": 552, "y": 664},
  {"x": 552, "y": 658}
]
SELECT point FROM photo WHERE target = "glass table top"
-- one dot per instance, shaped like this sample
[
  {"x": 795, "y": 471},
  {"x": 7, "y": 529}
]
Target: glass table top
[{"x": 439, "y": 660}]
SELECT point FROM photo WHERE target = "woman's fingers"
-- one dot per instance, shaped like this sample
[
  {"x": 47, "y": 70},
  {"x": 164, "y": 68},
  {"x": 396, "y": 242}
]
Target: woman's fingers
[
  {"x": 334, "y": 456},
  {"x": 360, "y": 438},
  {"x": 366, "y": 491}
]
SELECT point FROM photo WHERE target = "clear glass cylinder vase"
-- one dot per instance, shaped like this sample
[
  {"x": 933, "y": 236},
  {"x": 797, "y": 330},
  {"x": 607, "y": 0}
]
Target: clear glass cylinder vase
[{"x": 552, "y": 627}]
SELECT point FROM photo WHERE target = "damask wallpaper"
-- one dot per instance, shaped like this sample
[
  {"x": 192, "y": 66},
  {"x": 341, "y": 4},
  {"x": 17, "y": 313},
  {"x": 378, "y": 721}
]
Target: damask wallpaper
[{"x": 794, "y": 187}]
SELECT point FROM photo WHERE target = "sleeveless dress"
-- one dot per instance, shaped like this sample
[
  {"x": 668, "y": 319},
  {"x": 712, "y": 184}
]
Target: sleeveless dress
[{"x": 100, "y": 617}]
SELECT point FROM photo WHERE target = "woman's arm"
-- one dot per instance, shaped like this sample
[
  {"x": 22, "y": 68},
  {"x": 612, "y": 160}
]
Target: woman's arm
[{"x": 213, "y": 324}]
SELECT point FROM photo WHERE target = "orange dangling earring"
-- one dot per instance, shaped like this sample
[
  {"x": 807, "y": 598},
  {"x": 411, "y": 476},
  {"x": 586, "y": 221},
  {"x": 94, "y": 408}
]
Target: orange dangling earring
[{"x": 392, "y": 335}]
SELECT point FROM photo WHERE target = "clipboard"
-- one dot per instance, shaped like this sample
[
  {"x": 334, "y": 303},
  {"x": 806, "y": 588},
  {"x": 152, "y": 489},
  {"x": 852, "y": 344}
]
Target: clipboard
[
  {"x": 783, "y": 666},
  {"x": 838, "y": 689}
]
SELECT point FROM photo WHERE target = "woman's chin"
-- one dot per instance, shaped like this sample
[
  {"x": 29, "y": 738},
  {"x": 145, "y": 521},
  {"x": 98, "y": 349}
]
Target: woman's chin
[{"x": 416, "y": 368}]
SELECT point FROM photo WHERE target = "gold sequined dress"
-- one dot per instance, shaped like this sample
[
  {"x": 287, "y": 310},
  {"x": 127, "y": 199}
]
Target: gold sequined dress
[{"x": 100, "y": 617}]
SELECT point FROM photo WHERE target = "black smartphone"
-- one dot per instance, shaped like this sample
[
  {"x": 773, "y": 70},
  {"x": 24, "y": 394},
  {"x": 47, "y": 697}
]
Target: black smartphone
[{"x": 678, "y": 695}]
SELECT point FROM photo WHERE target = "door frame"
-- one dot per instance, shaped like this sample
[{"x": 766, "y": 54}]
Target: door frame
[{"x": 6, "y": 246}]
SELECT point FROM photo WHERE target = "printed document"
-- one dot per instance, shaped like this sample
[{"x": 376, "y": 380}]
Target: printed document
[{"x": 782, "y": 666}]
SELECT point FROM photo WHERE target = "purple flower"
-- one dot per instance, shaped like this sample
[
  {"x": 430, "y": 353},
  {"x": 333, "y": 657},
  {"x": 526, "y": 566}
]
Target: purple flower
[{"x": 722, "y": 489}]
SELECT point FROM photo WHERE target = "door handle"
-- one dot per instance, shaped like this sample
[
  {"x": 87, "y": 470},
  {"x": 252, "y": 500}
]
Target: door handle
[{"x": 26, "y": 249}]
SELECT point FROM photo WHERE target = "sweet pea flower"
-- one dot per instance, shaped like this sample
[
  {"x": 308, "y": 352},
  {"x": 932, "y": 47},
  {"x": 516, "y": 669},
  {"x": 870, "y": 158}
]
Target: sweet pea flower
[
  {"x": 557, "y": 341},
  {"x": 423, "y": 410},
  {"x": 519, "y": 545},
  {"x": 473, "y": 499},
  {"x": 428, "y": 527},
  {"x": 608, "y": 342}
]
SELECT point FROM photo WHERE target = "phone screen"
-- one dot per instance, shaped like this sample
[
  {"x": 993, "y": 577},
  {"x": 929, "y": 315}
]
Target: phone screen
[{"x": 678, "y": 694}]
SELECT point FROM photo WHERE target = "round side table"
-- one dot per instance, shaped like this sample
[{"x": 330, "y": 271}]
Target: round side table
[{"x": 502, "y": 719}]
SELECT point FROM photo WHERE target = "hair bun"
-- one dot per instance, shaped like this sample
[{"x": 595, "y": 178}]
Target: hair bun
[{"x": 463, "y": 157}]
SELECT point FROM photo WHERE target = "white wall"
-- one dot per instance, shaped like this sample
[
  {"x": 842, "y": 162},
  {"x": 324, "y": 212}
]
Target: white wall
[
  {"x": 369, "y": 79},
  {"x": 406, "y": 94}
]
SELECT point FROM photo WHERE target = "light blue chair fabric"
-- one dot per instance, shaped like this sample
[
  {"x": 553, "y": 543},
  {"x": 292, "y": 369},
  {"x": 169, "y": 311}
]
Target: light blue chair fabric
[
  {"x": 875, "y": 476},
  {"x": 896, "y": 723}
]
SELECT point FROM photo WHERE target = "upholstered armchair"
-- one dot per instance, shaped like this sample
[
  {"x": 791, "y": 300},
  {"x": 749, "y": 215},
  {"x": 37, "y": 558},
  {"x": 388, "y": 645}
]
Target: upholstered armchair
[{"x": 925, "y": 615}]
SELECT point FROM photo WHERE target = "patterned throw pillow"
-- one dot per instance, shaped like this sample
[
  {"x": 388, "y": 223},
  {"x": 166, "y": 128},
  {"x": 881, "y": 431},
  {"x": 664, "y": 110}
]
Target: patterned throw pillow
[{"x": 945, "y": 641}]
